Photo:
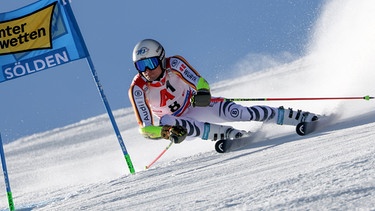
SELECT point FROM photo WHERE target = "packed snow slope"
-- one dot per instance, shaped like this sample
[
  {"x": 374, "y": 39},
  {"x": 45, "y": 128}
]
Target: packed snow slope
[{"x": 81, "y": 166}]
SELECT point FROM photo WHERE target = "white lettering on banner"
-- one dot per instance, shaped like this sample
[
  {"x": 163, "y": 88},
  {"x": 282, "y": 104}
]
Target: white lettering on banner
[{"x": 19, "y": 69}]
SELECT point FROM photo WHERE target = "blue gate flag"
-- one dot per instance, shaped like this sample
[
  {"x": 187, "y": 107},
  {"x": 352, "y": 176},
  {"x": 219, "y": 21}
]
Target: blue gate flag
[
  {"x": 39, "y": 36},
  {"x": 42, "y": 35}
]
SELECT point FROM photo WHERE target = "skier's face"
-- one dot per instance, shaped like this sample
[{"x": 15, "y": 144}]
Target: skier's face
[{"x": 152, "y": 75}]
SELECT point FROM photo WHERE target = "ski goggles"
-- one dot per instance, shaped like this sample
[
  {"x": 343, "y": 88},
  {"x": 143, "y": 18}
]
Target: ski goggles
[{"x": 150, "y": 63}]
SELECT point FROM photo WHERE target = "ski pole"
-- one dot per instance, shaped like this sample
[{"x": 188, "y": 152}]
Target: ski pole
[
  {"x": 6, "y": 178},
  {"x": 157, "y": 158},
  {"x": 367, "y": 97}
]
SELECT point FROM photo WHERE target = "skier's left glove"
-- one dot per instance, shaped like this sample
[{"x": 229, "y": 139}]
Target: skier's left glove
[
  {"x": 177, "y": 133},
  {"x": 201, "y": 99}
]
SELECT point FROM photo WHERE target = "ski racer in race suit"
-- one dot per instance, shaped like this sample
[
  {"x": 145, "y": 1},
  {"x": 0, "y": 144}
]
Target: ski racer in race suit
[{"x": 171, "y": 89}]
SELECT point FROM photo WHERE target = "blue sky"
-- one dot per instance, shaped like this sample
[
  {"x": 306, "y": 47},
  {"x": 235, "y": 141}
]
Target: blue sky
[{"x": 212, "y": 35}]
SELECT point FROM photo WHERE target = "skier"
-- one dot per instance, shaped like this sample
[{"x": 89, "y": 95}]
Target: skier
[{"x": 171, "y": 89}]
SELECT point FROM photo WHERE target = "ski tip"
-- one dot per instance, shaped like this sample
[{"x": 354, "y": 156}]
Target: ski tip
[
  {"x": 219, "y": 146},
  {"x": 300, "y": 129},
  {"x": 305, "y": 128}
]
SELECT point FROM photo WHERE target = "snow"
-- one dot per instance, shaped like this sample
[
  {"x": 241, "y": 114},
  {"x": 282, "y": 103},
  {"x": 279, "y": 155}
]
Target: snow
[
  {"x": 81, "y": 166},
  {"x": 330, "y": 169}
]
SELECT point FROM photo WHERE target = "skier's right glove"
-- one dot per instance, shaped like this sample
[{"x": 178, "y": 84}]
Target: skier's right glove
[{"x": 177, "y": 133}]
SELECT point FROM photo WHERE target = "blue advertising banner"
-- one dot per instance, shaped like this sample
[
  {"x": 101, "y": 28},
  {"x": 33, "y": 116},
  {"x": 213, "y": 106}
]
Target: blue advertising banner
[
  {"x": 37, "y": 37},
  {"x": 42, "y": 35}
]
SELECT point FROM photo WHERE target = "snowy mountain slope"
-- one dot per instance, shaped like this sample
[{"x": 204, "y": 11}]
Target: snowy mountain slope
[
  {"x": 331, "y": 169},
  {"x": 80, "y": 166}
]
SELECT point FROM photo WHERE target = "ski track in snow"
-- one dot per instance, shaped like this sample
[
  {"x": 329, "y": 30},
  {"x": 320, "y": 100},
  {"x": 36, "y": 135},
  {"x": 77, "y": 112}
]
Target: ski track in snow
[
  {"x": 331, "y": 169},
  {"x": 81, "y": 166}
]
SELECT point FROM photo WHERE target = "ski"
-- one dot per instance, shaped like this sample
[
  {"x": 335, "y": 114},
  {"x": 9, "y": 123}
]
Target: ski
[
  {"x": 229, "y": 145},
  {"x": 305, "y": 128}
]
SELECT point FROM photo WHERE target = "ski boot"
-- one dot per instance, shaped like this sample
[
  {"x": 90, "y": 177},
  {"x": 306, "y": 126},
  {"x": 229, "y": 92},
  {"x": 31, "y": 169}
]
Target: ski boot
[
  {"x": 290, "y": 117},
  {"x": 304, "y": 121},
  {"x": 220, "y": 132}
]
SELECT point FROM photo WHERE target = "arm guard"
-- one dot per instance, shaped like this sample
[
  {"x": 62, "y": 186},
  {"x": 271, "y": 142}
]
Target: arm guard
[
  {"x": 202, "y": 84},
  {"x": 151, "y": 131}
]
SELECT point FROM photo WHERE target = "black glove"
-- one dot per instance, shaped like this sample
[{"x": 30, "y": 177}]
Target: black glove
[
  {"x": 177, "y": 133},
  {"x": 201, "y": 99}
]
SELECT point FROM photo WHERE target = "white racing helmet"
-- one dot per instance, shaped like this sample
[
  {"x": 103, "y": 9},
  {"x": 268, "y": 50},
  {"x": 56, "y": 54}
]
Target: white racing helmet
[{"x": 149, "y": 48}]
